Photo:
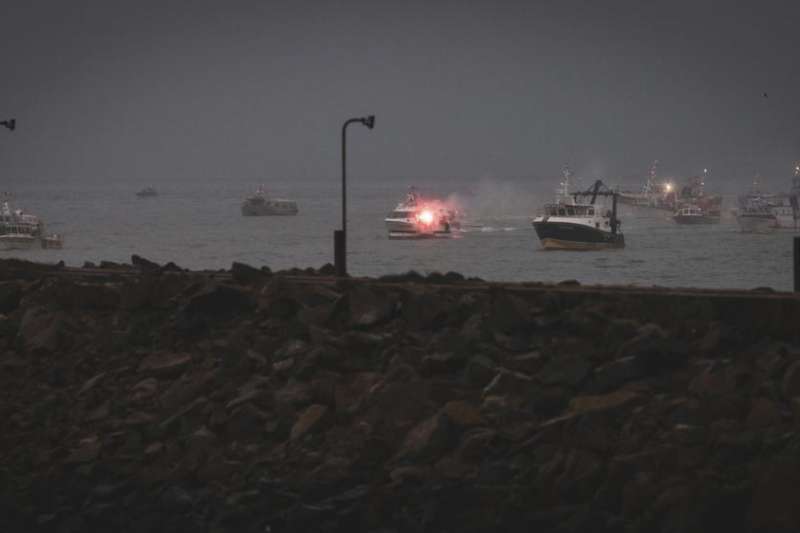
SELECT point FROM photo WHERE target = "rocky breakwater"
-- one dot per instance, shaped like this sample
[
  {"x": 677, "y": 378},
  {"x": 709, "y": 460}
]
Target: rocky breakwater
[{"x": 166, "y": 400}]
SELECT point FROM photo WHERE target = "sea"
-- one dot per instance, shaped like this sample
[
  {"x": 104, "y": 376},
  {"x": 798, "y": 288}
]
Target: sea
[{"x": 198, "y": 225}]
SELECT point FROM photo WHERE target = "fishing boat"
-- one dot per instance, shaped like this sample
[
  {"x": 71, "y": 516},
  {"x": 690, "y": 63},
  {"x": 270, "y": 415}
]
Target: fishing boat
[
  {"x": 18, "y": 241},
  {"x": 694, "y": 214},
  {"x": 147, "y": 192},
  {"x": 656, "y": 193},
  {"x": 23, "y": 231},
  {"x": 422, "y": 218},
  {"x": 577, "y": 222},
  {"x": 670, "y": 196},
  {"x": 783, "y": 206},
  {"x": 756, "y": 217},
  {"x": 260, "y": 204}
]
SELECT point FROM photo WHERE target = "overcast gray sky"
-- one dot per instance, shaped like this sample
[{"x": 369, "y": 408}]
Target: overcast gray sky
[{"x": 147, "y": 91}]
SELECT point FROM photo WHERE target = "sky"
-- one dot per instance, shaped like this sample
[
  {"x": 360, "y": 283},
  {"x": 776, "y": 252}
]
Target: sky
[{"x": 150, "y": 91}]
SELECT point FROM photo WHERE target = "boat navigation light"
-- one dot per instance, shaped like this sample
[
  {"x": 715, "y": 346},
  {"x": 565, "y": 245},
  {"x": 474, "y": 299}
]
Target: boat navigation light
[{"x": 426, "y": 217}]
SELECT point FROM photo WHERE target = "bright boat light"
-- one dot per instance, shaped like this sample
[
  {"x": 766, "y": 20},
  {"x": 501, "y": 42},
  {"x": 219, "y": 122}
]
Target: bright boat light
[{"x": 426, "y": 217}]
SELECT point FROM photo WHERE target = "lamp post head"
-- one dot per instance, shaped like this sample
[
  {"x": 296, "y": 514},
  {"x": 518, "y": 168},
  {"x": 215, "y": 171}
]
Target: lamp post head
[
  {"x": 369, "y": 121},
  {"x": 11, "y": 124}
]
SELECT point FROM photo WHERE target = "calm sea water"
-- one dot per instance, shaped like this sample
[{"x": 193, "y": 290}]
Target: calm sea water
[{"x": 199, "y": 225}]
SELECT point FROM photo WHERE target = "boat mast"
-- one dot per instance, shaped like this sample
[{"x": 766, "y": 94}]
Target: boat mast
[
  {"x": 563, "y": 191},
  {"x": 703, "y": 182},
  {"x": 651, "y": 177}
]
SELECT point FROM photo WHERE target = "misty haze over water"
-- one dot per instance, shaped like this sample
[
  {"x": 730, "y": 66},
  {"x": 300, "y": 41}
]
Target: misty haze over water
[
  {"x": 206, "y": 100},
  {"x": 199, "y": 226}
]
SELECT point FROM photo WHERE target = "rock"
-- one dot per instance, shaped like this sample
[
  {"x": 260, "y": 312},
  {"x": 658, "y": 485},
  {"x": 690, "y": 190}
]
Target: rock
[
  {"x": 462, "y": 414},
  {"x": 221, "y": 302},
  {"x": 246, "y": 422},
  {"x": 369, "y": 308},
  {"x": 42, "y": 330},
  {"x": 480, "y": 371},
  {"x": 425, "y": 311},
  {"x": 529, "y": 363},
  {"x": 509, "y": 313},
  {"x": 613, "y": 375},
  {"x": 185, "y": 389},
  {"x": 507, "y": 382},
  {"x": 144, "y": 390},
  {"x": 566, "y": 370},
  {"x": 774, "y": 502},
  {"x": 165, "y": 365},
  {"x": 88, "y": 450},
  {"x": 763, "y": 413},
  {"x": 611, "y": 402},
  {"x": 90, "y": 383},
  {"x": 655, "y": 351},
  {"x": 476, "y": 444},
  {"x": 327, "y": 270},
  {"x": 790, "y": 384},
  {"x": 441, "y": 363},
  {"x": 427, "y": 440},
  {"x": 313, "y": 419},
  {"x": 10, "y": 296},
  {"x": 144, "y": 264},
  {"x": 247, "y": 275}
]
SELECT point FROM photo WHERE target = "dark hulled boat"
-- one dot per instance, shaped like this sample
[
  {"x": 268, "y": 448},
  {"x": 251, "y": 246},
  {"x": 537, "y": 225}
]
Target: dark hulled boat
[{"x": 573, "y": 223}]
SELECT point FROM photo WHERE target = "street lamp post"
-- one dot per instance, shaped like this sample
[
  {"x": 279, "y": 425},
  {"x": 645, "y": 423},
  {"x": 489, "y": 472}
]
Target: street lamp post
[
  {"x": 10, "y": 123},
  {"x": 340, "y": 236}
]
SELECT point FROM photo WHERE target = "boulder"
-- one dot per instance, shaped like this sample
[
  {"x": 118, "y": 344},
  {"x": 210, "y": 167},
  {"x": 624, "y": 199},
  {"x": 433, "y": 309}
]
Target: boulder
[
  {"x": 43, "y": 330},
  {"x": 144, "y": 264},
  {"x": 480, "y": 371},
  {"x": 367, "y": 307},
  {"x": 426, "y": 441},
  {"x": 246, "y": 274},
  {"x": 165, "y": 365},
  {"x": 612, "y": 402},
  {"x": 313, "y": 419},
  {"x": 763, "y": 413},
  {"x": 655, "y": 351},
  {"x": 774, "y": 501},
  {"x": 567, "y": 370},
  {"x": 220, "y": 302},
  {"x": 790, "y": 384},
  {"x": 10, "y": 295},
  {"x": 462, "y": 414},
  {"x": 614, "y": 374},
  {"x": 507, "y": 382}
]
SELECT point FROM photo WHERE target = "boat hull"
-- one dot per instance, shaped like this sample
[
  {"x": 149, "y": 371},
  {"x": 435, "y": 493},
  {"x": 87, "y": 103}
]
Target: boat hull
[
  {"x": 408, "y": 235},
  {"x": 756, "y": 223},
  {"x": 17, "y": 242},
  {"x": 695, "y": 219},
  {"x": 267, "y": 211},
  {"x": 570, "y": 236}
]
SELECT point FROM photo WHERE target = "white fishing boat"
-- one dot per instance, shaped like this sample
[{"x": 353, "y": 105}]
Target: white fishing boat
[
  {"x": 23, "y": 231},
  {"x": 693, "y": 214},
  {"x": 420, "y": 218},
  {"x": 260, "y": 204}
]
